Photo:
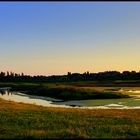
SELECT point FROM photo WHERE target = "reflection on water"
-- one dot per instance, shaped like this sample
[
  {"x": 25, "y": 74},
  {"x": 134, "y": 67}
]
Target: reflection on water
[
  {"x": 5, "y": 90},
  {"x": 51, "y": 102},
  {"x": 20, "y": 97}
]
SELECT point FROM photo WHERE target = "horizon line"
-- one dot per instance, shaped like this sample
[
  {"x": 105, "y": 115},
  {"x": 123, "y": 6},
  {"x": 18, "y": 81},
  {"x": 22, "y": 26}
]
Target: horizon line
[{"x": 69, "y": 72}]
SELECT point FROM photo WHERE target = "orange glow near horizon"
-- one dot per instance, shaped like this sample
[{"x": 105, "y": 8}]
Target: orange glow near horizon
[{"x": 53, "y": 39}]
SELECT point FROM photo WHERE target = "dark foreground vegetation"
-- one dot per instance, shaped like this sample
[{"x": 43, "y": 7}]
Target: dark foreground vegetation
[{"x": 21, "y": 121}]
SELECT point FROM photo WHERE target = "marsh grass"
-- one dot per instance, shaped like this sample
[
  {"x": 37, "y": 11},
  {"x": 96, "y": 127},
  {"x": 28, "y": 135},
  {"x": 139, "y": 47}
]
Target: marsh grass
[
  {"x": 65, "y": 92},
  {"x": 18, "y": 120}
]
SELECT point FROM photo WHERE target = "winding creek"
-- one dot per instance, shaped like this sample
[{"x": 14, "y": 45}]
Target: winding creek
[{"x": 125, "y": 103}]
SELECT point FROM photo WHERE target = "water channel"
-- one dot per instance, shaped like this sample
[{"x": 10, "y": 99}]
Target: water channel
[{"x": 16, "y": 96}]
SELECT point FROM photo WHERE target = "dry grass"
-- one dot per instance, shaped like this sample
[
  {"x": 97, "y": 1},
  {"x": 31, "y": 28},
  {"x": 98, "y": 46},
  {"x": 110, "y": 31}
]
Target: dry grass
[
  {"x": 14, "y": 107},
  {"x": 19, "y": 120}
]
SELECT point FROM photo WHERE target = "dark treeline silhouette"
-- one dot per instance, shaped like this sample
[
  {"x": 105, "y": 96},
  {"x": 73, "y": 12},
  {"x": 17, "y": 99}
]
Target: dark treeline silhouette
[{"x": 107, "y": 75}]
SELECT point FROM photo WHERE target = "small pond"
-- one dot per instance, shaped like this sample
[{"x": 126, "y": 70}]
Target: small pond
[{"x": 16, "y": 96}]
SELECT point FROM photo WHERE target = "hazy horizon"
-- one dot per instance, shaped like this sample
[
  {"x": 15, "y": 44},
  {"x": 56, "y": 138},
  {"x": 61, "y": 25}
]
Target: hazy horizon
[{"x": 53, "y": 38}]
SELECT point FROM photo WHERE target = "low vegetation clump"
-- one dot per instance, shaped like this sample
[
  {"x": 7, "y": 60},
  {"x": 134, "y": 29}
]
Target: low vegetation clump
[
  {"x": 67, "y": 92},
  {"x": 20, "y": 121}
]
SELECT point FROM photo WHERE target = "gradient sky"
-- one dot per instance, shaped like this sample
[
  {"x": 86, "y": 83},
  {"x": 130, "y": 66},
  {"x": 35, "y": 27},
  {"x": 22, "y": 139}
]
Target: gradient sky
[{"x": 46, "y": 38}]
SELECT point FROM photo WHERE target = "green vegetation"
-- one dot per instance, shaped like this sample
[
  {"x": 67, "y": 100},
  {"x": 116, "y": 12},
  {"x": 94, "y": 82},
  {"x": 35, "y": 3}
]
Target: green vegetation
[
  {"x": 73, "y": 93},
  {"x": 64, "y": 91},
  {"x": 19, "y": 120}
]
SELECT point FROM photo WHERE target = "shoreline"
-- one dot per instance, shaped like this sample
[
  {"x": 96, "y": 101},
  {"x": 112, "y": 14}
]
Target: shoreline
[
  {"x": 42, "y": 101},
  {"x": 74, "y": 107}
]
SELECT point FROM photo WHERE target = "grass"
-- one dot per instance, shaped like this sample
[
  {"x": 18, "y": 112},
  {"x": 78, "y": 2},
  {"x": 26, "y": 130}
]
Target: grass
[
  {"x": 64, "y": 91},
  {"x": 21, "y": 121},
  {"x": 18, "y": 120}
]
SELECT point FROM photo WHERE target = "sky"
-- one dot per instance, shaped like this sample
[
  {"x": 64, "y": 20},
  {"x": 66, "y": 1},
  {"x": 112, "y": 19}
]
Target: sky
[{"x": 53, "y": 38}]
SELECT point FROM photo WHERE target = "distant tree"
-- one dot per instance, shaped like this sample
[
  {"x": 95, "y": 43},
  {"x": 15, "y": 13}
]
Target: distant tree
[
  {"x": 2, "y": 74},
  {"x": 16, "y": 75},
  {"x": 86, "y": 76},
  {"x": 12, "y": 74},
  {"x": 7, "y": 73},
  {"x": 22, "y": 74},
  {"x": 69, "y": 73},
  {"x": 134, "y": 72},
  {"x": 87, "y": 72}
]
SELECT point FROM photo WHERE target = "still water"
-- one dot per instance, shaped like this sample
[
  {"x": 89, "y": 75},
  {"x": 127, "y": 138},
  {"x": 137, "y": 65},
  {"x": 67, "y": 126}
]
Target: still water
[
  {"x": 24, "y": 98},
  {"x": 51, "y": 102}
]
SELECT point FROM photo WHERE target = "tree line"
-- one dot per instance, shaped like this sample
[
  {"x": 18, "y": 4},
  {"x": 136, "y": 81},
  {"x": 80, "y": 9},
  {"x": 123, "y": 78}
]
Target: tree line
[{"x": 86, "y": 76}]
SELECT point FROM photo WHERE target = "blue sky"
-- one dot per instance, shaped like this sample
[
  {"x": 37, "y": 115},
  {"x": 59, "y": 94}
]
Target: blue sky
[{"x": 56, "y": 37}]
